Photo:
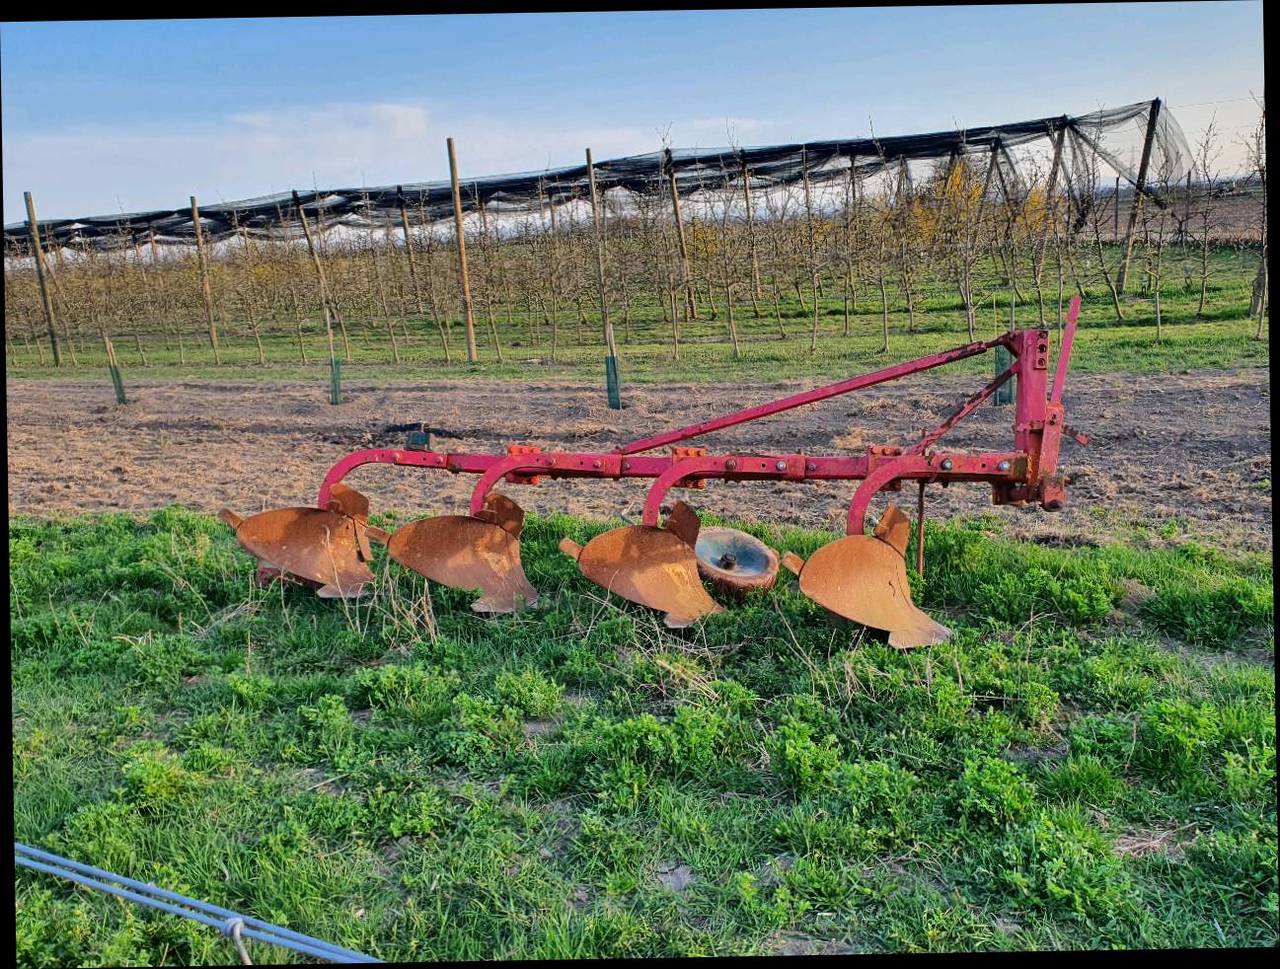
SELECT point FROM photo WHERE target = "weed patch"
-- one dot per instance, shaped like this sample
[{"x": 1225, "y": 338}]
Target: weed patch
[{"x": 580, "y": 781}]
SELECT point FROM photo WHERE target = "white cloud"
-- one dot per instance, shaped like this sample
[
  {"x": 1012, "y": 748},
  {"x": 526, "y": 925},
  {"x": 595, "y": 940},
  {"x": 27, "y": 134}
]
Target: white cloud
[{"x": 100, "y": 169}]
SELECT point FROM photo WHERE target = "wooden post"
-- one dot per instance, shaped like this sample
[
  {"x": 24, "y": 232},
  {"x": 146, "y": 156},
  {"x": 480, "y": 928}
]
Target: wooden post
[
  {"x": 1051, "y": 212},
  {"x": 203, "y": 259},
  {"x": 486, "y": 254},
  {"x": 162, "y": 294},
  {"x": 691, "y": 303},
  {"x": 982, "y": 199},
  {"x": 813, "y": 254},
  {"x": 468, "y": 316},
  {"x": 751, "y": 237},
  {"x": 323, "y": 288},
  {"x": 243, "y": 236},
  {"x": 611, "y": 349},
  {"x": 33, "y": 233},
  {"x": 1139, "y": 189},
  {"x": 146, "y": 291},
  {"x": 554, "y": 278},
  {"x": 413, "y": 275},
  {"x": 1115, "y": 209},
  {"x": 408, "y": 248},
  {"x": 1186, "y": 215}
]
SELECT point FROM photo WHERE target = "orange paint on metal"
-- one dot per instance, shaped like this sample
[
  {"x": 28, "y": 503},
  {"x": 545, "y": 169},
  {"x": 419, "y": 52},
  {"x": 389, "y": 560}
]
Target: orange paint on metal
[
  {"x": 463, "y": 552},
  {"x": 864, "y": 578},
  {"x": 313, "y": 544},
  {"x": 655, "y": 567}
]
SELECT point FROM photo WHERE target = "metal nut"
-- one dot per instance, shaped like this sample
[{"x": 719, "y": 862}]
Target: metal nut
[
  {"x": 946, "y": 464},
  {"x": 1002, "y": 466},
  {"x": 781, "y": 465}
]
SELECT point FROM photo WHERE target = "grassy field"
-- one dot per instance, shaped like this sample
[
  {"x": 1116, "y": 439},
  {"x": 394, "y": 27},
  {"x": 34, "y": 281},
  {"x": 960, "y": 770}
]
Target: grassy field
[
  {"x": 1089, "y": 763},
  {"x": 1222, "y": 336}
]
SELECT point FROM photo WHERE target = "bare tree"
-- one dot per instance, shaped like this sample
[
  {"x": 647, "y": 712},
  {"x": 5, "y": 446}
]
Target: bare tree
[
  {"x": 1205, "y": 172},
  {"x": 1255, "y": 145}
]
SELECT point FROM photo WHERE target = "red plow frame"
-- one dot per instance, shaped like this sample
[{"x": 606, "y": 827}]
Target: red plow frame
[{"x": 1026, "y": 473}]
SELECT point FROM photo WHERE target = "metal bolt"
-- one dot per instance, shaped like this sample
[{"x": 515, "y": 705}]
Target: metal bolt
[
  {"x": 946, "y": 464},
  {"x": 1002, "y": 466},
  {"x": 781, "y": 465},
  {"x": 731, "y": 464}
]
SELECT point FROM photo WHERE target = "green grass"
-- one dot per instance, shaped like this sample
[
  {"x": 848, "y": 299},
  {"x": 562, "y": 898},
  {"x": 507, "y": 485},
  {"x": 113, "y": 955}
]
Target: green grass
[
  {"x": 1221, "y": 337},
  {"x": 1089, "y": 763}
]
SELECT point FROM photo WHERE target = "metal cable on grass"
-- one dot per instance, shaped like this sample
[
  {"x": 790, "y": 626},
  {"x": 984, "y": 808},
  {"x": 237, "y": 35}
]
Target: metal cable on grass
[{"x": 235, "y": 926}]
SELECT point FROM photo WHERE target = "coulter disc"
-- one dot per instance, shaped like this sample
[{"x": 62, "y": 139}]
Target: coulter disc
[{"x": 735, "y": 562}]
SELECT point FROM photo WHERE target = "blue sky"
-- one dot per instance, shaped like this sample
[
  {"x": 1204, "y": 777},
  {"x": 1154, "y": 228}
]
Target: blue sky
[{"x": 104, "y": 116}]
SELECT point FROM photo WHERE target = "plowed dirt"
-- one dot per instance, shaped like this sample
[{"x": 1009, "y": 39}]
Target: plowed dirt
[{"x": 1195, "y": 447}]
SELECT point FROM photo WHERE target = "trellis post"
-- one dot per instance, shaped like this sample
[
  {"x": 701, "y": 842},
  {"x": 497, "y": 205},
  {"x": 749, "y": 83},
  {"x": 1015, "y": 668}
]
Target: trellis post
[
  {"x": 691, "y": 302},
  {"x": 611, "y": 349},
  {"x": 751, "y": 235},
  {"x": 202, "y": 257},
  {"x": 1051, "y": 214},
  {"x": 33, "y": 233},
  {"x": 1139, "y": 188},
  {"x": 468, "y": 316},
  {"x": 335, "y": 366}
]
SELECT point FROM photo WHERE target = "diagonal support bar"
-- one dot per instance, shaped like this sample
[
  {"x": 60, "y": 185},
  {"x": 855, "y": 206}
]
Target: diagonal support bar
[
  {"x": 813, "y": 396},
  {"x": 963, "y": 411},
  {"x": 1064, "y": 352}
]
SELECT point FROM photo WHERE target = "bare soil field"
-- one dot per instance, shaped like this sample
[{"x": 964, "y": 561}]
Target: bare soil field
[{"x": 1193, "y": 447}]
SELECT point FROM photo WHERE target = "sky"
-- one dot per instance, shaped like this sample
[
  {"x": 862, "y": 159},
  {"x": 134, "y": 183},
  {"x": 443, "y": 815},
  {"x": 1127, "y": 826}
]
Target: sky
[{"x": 110, "y": 116}]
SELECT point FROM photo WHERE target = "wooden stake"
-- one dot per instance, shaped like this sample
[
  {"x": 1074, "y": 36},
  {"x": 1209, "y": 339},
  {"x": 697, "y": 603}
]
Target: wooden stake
[
  {"x": 468, "y": 316},
  {"x": 413, "y": 268},
  {"x": 486, "y": 252},
  {"x": 203, "y": 259},
  {"x": 610, "y": 347},
  {"x": 1051, "y": 213},
  {"x": 691, "y": 303},
  {"x": 1139, "y": 189},
  {"x": 163, "y": 301},
  {"x": 323, "y": 287},
  {"x": 554, "y": 276},
  {"x": 33, "y": 233},
  {"x": 751, "y": 239},
  {"x": 1115, "y": 208},
  {"x": 813, "y": 255}
]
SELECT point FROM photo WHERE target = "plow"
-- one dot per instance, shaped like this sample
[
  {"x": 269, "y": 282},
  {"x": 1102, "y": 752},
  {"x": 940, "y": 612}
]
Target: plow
[{"x": 667, "y": 561}]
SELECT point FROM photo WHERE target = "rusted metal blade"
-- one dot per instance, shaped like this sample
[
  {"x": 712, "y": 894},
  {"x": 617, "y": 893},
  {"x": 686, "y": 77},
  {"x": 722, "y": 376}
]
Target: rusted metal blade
[
  {"x": 684, "y": 523},
  {"x": 864, "y": 578},
  {"x": 654, "y": 567},
  {"x": 347, "y": 501},
  {"x": 735, "y": 562},
  {"x": 894, "y": 528},
  {"x": 504, "y": 513},
  {"x": 463, "y": 552},
  {"x": 313, "y": 544}
]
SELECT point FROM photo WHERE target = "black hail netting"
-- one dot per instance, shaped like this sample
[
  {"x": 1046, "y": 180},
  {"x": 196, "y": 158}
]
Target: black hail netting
[{"x": 1113, "y": 138}]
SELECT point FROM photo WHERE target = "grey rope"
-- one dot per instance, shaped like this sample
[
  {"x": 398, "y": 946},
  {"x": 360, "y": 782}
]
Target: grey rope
[
  {"x": 231, "y": 924},
  {"x": 233, "y": 928}
]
